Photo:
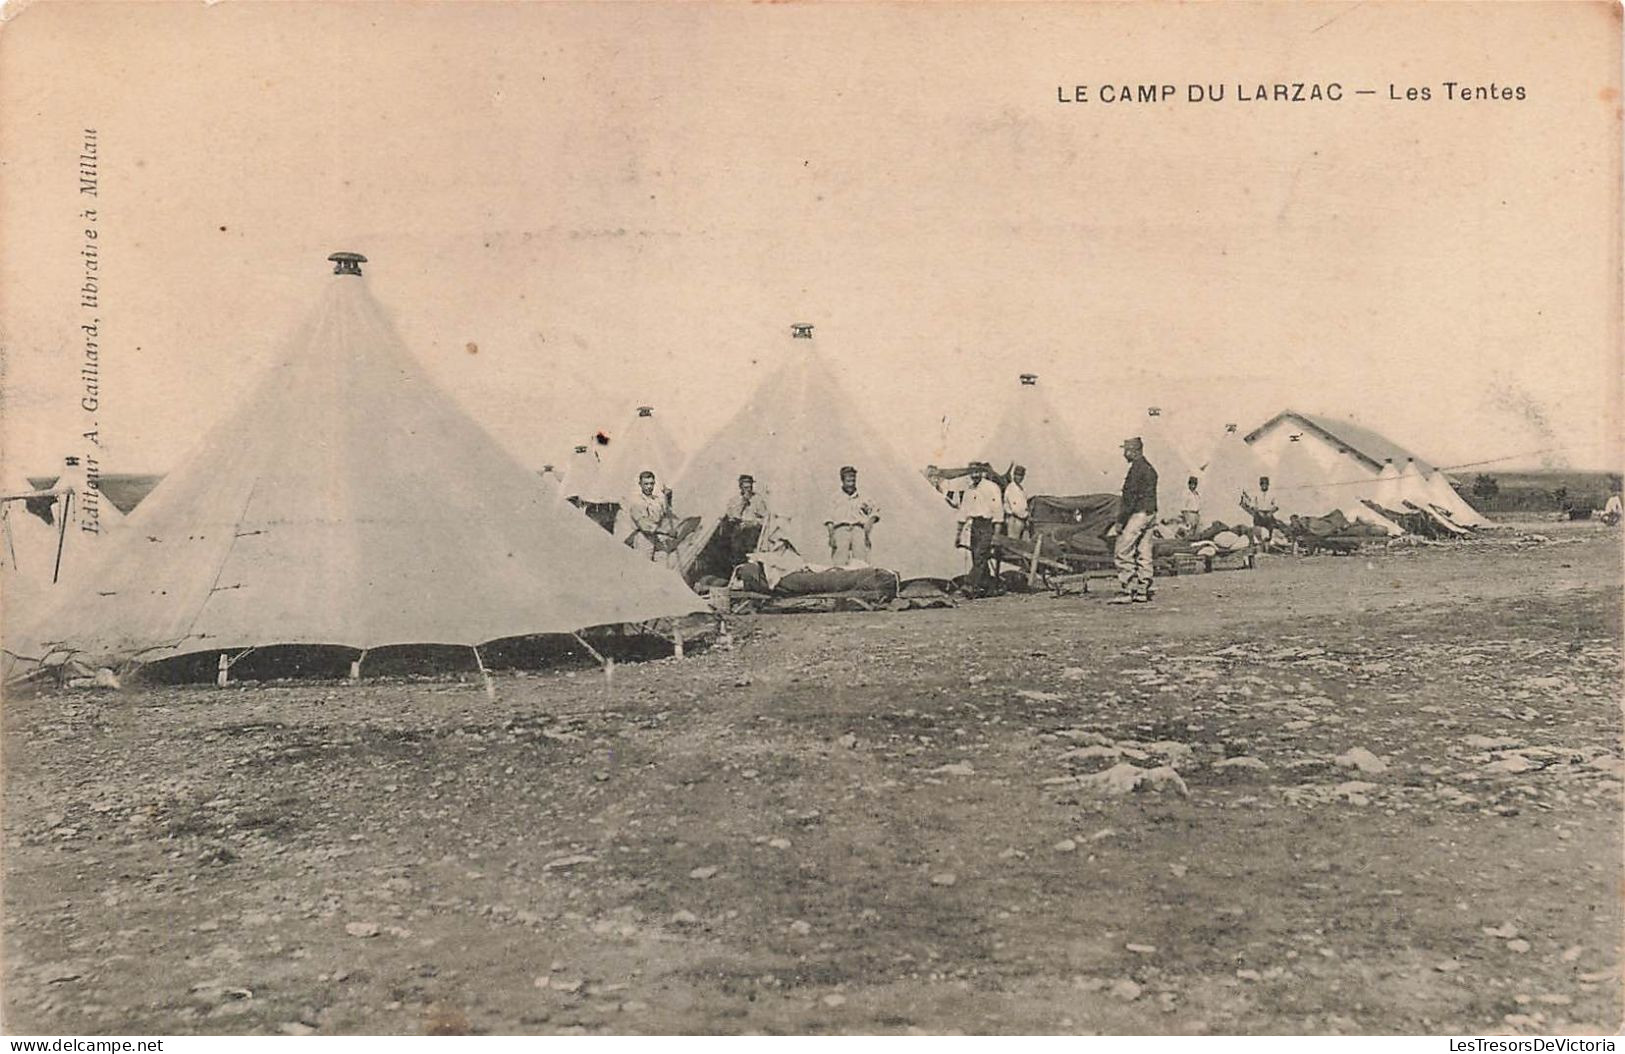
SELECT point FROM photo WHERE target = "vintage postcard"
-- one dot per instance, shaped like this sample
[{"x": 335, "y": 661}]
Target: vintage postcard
[{"x": 811, "y": 518}]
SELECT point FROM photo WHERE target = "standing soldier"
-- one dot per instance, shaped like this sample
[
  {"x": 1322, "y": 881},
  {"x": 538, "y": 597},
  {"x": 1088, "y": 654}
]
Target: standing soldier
[
  {"x": 1190, "y": 510},
  {"x": 1136, "y": 515},
  {"x": 851, "y": 521},
  {"x": 1016, "y": 509},
  {"x": 983, "y": 508}
]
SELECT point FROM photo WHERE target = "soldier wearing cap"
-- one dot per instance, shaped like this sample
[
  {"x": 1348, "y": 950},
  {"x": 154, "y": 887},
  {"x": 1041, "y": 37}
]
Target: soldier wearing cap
[
  {"x": 651, "y": 517},
  {"x": 1264, "y": 510},
  {"x": 1017, "y": 510},
  {"x": 1136, "y": 515},
  {"x": 851, "y": 522},
  {"x": 1190, "y": 509},
  {"x": 983, "y": 510},
  {"x": 747, "y": 521}
]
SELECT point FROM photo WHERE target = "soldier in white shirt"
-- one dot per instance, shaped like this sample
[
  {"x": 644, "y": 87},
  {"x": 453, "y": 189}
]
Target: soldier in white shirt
[
  {"x": 649, "y": 513},
  {"x": 1190, "y": 509},
  {"x": 851, "y": 522},
  {"x": 1016, "y": 511},
  {"x": 983, "y": 510}
]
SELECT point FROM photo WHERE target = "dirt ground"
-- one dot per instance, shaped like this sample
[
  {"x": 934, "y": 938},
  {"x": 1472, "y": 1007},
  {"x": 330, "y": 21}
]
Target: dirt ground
[{"x": 1375, "y": 794}]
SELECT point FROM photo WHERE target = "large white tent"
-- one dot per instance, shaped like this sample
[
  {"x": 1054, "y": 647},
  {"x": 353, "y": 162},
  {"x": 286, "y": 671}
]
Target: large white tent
[
  {"x": 1033, "y": 433},
  {"x": 347, "y": 502},
  {"x": 793, "y": 435}
]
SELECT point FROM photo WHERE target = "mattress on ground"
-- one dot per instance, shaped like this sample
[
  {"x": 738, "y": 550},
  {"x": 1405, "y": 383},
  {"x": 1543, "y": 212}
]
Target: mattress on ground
[{"x": 812, "y": 583}]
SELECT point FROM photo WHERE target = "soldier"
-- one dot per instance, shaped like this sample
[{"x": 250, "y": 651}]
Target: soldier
[
  {"x": 650, "y": 514},
  {"x": 1190, "y": 509},
  {"x": 1136, "y": 515},
  {"x": 748, "y": 522},
  {"x": 851, "y": 522},
  {"x": 1016, "y": 509},
  {"x": 1264, "y": 510},
  {"x": 983, "y": 509}
]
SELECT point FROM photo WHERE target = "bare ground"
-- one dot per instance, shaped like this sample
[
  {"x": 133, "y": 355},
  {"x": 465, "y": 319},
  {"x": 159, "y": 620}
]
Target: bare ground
[{"x": 873, "y": 823}]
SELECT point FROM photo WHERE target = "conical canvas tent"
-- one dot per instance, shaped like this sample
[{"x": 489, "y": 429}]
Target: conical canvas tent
[
  {"x": 1232, "y": 469},
  {"x": 59, "y": 540},
  {"x": 579, "y": 472},
  {"x": 1166, "y": 452},
  {"x": 793, "y": 435},
  {"x": 1442, "y": 495},
  {"x": 642, "y": 444},
  {"x": 348, "y": 502},
  {"x": 31, "y": 540},
  {"x": 1034, "y": 434},
  {"x": 1387, "y": 490},
  {"x": 1399, "y": 484}
]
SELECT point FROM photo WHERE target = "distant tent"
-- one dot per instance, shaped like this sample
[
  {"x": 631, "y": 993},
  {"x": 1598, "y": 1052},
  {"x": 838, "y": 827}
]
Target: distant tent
[
  {"x": 31, "y": 538},
  {"x": 1174, "y": 463},
  {"x": 90, "y": 514},
  {"x": 1033, "y": 433},
  {"x": 1392, "y": 475},
  {"x": 580, "y": 472},
  {"x": 1233, "y": 468},
  {"x": 53, "y": 538},
  {"x": 1304, "y": 487},
  {"x": 1443, "y": 495},
  {"x": 1388, "y": 490},
  {"x": 642, "y": 444},
  {"x": 793, "y": 435},
  {"x": 1401, "y": 483},
  {"x": 348, "y": 502}
]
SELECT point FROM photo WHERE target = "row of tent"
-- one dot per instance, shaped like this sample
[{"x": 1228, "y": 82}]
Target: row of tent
[
  {"x": 349, "y": 502},
  {"x": 797, "y": 429}
]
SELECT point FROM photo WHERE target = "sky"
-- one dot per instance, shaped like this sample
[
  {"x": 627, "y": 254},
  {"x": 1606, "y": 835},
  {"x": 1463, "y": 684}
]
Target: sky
[{"x": 573, "y": 209}]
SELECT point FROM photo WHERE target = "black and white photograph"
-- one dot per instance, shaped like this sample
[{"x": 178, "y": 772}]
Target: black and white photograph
[{"x": 811, "y": 518}]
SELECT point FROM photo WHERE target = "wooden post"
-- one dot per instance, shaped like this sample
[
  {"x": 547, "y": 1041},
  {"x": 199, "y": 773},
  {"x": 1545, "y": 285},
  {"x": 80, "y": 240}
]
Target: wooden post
[
  {"x": 222, "y": 672},
  {"x": 1032, "y": 567},
  {"x": 355, "y": 665},
  {"x": 676, "y": 642}
]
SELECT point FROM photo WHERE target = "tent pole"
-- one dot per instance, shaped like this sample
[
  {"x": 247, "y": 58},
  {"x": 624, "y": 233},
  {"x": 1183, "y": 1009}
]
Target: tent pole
[
  {"x": 490, "y": 689},
  {"x": 676, "y": 641},
  {"x": 222, "y": 671},
  {"x": 11, "y": 550},
  {"x": 62, "y": 533}
]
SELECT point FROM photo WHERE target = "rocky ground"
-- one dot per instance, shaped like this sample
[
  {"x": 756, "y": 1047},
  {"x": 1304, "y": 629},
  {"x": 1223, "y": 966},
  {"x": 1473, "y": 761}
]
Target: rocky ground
[{"x": 1375, "y": 794}]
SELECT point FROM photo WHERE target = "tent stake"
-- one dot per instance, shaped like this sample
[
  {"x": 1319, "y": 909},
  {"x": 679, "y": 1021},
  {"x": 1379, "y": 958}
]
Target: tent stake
[
  {"x": 222, "y": 672},
  {"x": 677, "y": 642},
  {"x": 490, "y": 689},
  {"x": 355, "y": 665}
]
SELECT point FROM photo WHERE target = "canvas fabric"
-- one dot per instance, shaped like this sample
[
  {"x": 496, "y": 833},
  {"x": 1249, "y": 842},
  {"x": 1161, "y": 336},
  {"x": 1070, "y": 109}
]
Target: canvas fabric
[{"x": 348, "y": 501}]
